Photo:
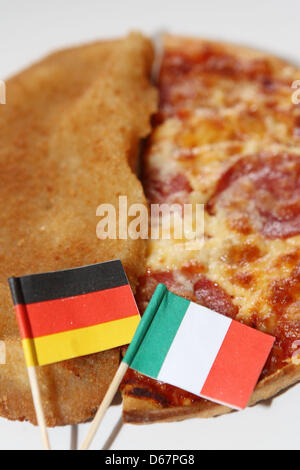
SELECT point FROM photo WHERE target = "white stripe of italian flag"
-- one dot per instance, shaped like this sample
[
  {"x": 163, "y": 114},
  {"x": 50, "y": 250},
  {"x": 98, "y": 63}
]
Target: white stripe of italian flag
[{"x": 196, "y": 349}]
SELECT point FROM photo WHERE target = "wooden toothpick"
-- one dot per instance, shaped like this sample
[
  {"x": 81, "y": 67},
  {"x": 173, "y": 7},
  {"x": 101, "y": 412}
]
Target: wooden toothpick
[
  {"x": 37, "y": 401},
  {"x": 112, "y": 390},
  {"x": 74, "y": 437}
]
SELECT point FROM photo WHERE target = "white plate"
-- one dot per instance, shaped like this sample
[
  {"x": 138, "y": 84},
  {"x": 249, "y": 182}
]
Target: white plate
[{"x": 33, "y": 28}]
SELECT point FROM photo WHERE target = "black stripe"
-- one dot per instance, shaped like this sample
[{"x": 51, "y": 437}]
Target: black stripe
[
  {"x": 68, "y": 283},
  {"x": 16, "y": 291}
]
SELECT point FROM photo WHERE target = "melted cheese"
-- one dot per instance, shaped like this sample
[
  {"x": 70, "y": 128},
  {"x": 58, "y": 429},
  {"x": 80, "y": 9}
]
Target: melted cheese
[{"x": 232, "y": 121}]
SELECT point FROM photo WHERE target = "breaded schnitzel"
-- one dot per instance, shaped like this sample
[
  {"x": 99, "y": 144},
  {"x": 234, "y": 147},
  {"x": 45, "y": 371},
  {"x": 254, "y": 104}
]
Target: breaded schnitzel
[{"x": 69, "y": 138}]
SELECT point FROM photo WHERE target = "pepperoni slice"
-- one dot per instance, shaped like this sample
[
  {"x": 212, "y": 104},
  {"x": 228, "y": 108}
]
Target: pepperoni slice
[
  {"x": 188, "y": 282},
  {"x": 263, "y": 191},
  {"x": 211, "y": 295},
  {"x": 171, "y": 189},
  {"x": 148, "y": 284},
  {"x": 214, "y": 60},
  {"x": 188, "y": 79}
]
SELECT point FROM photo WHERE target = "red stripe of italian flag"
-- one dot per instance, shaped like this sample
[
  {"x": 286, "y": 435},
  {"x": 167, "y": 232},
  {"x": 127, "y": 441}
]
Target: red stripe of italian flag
[{"x": 191, "y": 347}]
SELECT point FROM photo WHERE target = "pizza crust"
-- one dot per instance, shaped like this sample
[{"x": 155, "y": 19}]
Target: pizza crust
[
  {"x": 146, "y": 411},
  {"x": 190, "y": 44}
]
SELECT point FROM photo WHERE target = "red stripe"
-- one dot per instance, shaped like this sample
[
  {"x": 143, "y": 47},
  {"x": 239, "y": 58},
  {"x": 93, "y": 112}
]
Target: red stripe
[
  {"x": 70, "y": 313},
  {"x": 238, "y": 366},
  {"x": 23, "y": 322}
]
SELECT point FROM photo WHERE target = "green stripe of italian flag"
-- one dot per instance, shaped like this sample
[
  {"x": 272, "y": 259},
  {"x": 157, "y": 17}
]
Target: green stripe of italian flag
[{"x": 196, "y": 349}]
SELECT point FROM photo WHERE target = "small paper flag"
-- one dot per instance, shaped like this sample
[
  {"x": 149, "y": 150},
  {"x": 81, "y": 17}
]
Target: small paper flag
[
  {"x": 72, "y": 313},
  {"x": 196, "y": 349}
]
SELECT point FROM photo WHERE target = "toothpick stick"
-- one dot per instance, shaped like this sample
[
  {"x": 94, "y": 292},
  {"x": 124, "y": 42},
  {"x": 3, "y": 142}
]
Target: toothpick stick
[
  {"x": 112, "y": 390},
  {"x": 37, "y": 401},
  {"x": 74, "y": 437}
]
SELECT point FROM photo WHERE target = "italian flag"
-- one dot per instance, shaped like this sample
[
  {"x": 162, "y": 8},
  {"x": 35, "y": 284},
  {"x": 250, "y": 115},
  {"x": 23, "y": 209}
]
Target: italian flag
[{"x": 196, "y": 349}]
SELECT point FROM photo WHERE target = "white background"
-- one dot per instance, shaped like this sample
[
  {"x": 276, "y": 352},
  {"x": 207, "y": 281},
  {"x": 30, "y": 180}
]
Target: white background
[{"x": 31, "y": 28}]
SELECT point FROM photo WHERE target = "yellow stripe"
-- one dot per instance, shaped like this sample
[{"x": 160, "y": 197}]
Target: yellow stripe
[
  {"x": 70, "y": 344},
  {"x": 29, "y": 352}
]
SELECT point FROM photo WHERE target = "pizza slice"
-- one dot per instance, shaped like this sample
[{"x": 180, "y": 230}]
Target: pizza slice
[{"x": 227, "y": 135}]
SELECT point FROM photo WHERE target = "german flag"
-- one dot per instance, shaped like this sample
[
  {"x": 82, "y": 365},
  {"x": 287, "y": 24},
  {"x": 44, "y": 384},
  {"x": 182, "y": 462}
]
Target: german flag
[{"x": 72, "y": 313}]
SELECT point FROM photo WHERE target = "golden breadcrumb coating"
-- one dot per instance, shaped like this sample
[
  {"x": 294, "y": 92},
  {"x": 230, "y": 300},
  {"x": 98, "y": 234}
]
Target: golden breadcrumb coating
[{"x": 69, "y": 139}]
